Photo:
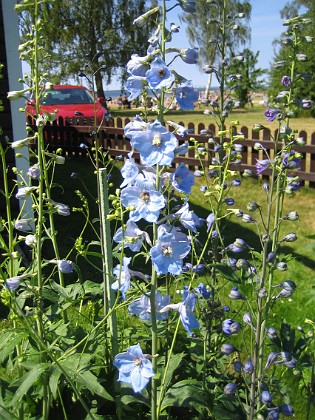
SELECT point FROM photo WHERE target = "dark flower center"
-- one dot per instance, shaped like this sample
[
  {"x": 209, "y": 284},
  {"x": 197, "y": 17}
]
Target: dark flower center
[
  {"x": 161, "y": 72},
  {"x": 167, "y": 250},
  {"x": 145, "y": 196}
]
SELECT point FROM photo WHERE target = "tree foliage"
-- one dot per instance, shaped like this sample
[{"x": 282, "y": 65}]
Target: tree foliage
[
  {"x": 91, "y": 37},
  {"x": 245, "y": 77},
  {"x": 207, "y": 19},
  {"x": 306, "y": 83}
]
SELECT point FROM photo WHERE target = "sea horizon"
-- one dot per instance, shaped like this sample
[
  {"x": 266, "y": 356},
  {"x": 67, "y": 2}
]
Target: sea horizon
[{"x": 114, "y": 93}]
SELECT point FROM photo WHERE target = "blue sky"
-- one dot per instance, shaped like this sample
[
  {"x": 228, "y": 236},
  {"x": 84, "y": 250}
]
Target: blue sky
[{"x": 266, "y": 25}]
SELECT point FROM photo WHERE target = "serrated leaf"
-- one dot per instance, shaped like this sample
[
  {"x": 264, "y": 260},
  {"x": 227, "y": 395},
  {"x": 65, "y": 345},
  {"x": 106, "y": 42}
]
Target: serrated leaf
[
  {"x": 27, "y": 381},
  {"x": 89, "y": 381}
]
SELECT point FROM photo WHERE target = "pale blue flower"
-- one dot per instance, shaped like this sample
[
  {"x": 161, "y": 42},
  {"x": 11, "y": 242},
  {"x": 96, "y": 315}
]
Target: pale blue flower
[
  {"x": 159, "y": 75},
  {"x": 24, "y": 224},
  {"x": 135, "y": 126},
  {"x": 33, "y": 172},
  {"x": 131, "y": 236},
  {"x": 186, "y": 96},
  {"x": 142, "y": 307},
  {"x": 129, "y": 171},
  {"x": 146, "y": 201},
  {"x": 170, "y": 250},
  {"x": 138, "y": 66},
  {"x": 182, "y": 179},
  {"x": 134, "y": 85},
  {"x": 122, "y": 273},
  {"x": 186, "y": 311},
  {"x": 156, "y": 145},
  {"x": 24, "y": 192},
  {"x": 134, "y": 368},
  {"x": 188, "y": 218}
]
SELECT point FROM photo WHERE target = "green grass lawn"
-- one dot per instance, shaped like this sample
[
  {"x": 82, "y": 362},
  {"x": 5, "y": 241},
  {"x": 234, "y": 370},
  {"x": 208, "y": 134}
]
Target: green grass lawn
[{"x": 247, "y": 117}]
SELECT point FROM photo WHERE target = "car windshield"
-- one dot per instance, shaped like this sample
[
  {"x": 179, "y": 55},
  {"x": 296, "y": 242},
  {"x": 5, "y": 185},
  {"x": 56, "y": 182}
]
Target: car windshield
[{"x": 66, "y": 97}]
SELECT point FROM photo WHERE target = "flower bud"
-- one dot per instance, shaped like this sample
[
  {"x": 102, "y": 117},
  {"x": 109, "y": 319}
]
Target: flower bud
[{"x": 230, "y": 388}]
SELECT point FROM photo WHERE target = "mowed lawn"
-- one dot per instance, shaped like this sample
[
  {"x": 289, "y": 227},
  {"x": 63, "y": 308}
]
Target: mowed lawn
[{"x": 246, "y": 117}]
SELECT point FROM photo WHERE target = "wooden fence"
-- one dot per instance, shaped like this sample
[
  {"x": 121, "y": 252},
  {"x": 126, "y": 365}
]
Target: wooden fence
[{"x": 111, "y": 137}]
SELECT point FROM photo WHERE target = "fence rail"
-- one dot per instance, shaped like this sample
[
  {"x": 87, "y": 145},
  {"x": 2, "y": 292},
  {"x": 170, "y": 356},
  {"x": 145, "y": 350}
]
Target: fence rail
[{"x": 111, "y": 138}]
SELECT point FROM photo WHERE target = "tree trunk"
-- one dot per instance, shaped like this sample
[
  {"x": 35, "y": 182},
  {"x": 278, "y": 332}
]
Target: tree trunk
[{"x": 208, "y": 86}]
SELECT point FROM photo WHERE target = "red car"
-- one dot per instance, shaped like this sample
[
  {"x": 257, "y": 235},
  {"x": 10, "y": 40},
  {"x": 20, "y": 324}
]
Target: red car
[{"x": 70, "y": 102}]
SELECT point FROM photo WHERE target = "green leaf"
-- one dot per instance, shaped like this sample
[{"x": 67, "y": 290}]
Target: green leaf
[
  {"x": 54, "y": 380},
  {"x": 9, "y": 341},
  {"x": 173, "y": 365},
  {"x": 28, "y": 380},
  {"x": 89, "y": 381},
  {"x": 227, "y": 272},
  {"x": 187, "y": 393}
]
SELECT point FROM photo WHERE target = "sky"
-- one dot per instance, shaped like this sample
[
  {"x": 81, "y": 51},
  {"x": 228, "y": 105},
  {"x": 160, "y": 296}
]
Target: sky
[{"x": 266, "y": 25}]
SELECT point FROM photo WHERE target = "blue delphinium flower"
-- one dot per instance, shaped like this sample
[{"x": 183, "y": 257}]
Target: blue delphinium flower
[
  {"x": 186, "y": 311},
  {"x": 271, "y": 114},
  {"x": 286, "y": 81},
  {"x": 156, "y": 145},
  {"x": 134, "y": 126},
  {"x": 142, "y": 307},
  {"x": 272, "y": 358},
  {"x": 262, "y": 165},
  {"x": 182, "y": 179},
  {"x": 122, "y": 273},
  {"x": 146, "y": 201},
  {"x": 129, "y": 171},
  {"x": 203, "y": 291},
  {"x": 159, "y": 75},
  {"x": 188, "y": 218},
  {"x": 131, "y": 236},
  {"x": 138, "y": 66},
  {"x": 13, "y": 283},
  {"x": 170, "y": 250},
  {"x": 134, "y": 85},
  {"x": 134, "y": 368},
  {"x": 186, "y": 96}
]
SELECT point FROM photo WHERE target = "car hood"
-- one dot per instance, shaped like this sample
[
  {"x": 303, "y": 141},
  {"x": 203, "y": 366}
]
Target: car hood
[{"x": 70, "y": 110}]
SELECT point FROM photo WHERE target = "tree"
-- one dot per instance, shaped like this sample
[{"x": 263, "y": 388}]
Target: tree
[
  {"x": 245, "y": 76},
  {"x": 208, "y": 19},
  {"x": 89, "y": 37},
  {"x": 305, "y": 85}
]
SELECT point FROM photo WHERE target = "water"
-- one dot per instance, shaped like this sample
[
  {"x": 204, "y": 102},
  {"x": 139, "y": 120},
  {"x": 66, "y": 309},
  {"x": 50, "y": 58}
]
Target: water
[{"x": 117, "y": 92}]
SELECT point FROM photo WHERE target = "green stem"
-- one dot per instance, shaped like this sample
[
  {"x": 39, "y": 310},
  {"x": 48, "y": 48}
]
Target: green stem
[{"x": 106, "y": 241}]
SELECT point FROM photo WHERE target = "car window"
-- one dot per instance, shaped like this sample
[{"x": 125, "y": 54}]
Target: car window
[{"x": 66, "y": 97}]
